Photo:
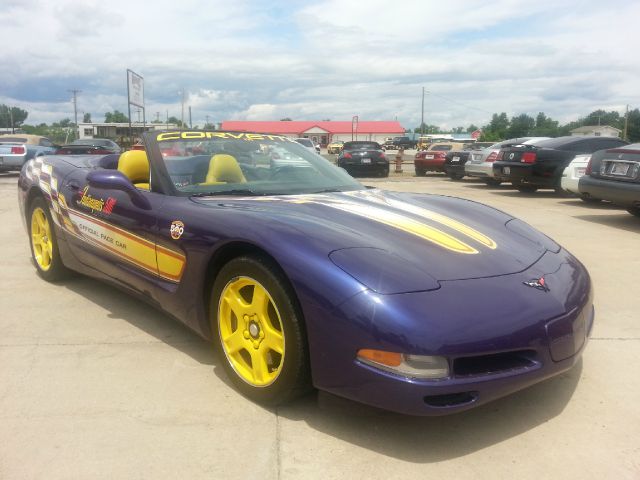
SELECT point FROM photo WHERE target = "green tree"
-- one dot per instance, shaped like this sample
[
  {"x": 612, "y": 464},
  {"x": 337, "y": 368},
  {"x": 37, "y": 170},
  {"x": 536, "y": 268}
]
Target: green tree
[
  {"x": 602, "y": 117},
  {"x": 545, "y": 126},
  {"x": 472, "y": 128},
  {"x": 86, "y": 118},
  {"x": 633, "y": 127},
  {"x": 176, "y": 121},
  {"x": 458, "y": 130},
  {"x": 12, "y": 116},
  {"x": 286, "y": 119},
  {"x": 520, "y": 126},
  {"x": 115, "y": 117},
  {"x": 428, "y": 129},
  {"x": 497, "y": 127}
]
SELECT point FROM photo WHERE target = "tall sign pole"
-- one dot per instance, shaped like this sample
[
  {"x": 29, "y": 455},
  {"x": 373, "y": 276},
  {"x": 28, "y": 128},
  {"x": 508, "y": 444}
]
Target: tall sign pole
[
  {"x": 135, "y": 96},
  {"x": 75, "y": 110},
  {"x": 422, "y": 117},
  {"x": 354, "y": 127}
]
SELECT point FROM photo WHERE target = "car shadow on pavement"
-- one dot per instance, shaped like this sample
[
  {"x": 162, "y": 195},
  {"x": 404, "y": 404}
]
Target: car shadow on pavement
[
  {"x": 623, "y": 221},
  {"x": 434, "y": 439},
  {"x": 576, "y": 202},
  {"x": 142, "y": 315}
]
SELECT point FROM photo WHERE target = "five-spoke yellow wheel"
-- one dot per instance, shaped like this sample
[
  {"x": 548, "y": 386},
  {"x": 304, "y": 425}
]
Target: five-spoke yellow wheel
[
  {"x": 44, "y": 246},
  {"x": 41, "y": 239},
  {"x": 259, "y": 330},
  {"x": 251, "y": 331}
]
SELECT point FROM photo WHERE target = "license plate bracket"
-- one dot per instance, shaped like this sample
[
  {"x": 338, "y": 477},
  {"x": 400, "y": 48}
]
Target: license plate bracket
[
  {"x": 506, "y": 170},
  {"x": 619, "y": 168}
]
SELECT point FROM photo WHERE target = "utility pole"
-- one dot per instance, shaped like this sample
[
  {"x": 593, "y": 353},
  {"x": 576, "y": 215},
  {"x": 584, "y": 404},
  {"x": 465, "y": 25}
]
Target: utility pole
[
  {"x": 190, "y": 123},
  {"x": 182, "y": 114},
  {"x": 626, "y": 124},
  {"x": 13, "y": 130},
  {"x": 422, "y": 117},
  {"x": 75, "y": 107},
  {"x": 207, "y": 117},
  {"x": 157, "y": 117}
]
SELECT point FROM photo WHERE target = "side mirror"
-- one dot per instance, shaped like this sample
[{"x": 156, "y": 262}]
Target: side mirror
[{"x": 116, "y": 180}]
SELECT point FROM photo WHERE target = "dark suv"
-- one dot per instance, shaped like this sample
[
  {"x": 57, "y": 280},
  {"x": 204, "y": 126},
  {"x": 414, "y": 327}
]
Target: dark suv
[{"x": 530, "y": 167}]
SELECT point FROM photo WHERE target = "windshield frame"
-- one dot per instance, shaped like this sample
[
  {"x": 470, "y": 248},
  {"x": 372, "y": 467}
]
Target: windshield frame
[{"x": 162, "y": 182}]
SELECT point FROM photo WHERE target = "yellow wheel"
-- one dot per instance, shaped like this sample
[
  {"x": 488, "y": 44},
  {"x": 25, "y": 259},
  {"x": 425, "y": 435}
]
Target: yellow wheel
[
  {"x": 41, "y": 242},
  {"x": 251, "y": 331},
  {"x": 44, "y": 245},
  {"x": 259, "y": 329}
]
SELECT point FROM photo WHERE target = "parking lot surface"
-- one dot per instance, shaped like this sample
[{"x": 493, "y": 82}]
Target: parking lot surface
[{"x": 96, "y": 384}]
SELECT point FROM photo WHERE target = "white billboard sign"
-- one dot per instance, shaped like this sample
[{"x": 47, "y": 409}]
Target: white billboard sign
[{"x": 135, "y": 87}]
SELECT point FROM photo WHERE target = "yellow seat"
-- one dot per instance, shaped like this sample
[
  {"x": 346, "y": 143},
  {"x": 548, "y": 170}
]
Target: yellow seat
[
  {"x": 134, "y": 164},
  {"x": 224, "y": 168}
]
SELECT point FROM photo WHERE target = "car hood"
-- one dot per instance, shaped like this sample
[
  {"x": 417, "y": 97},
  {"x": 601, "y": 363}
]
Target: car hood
[{"x": 397, "y": 242}]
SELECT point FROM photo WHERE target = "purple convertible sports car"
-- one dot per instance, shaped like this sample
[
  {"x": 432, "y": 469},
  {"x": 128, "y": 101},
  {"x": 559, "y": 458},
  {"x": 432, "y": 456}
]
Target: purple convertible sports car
[{"x": 302, "y": 277}]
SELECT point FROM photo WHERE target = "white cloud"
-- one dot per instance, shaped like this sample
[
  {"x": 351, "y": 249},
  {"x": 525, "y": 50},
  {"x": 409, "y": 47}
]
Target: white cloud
[{"x": 331, "y": 59}]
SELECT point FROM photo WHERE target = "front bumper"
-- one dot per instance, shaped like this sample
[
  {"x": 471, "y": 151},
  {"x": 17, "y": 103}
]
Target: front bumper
[
  {"x": 625, "y": 194},
  {"x": 506, "y": 336}
]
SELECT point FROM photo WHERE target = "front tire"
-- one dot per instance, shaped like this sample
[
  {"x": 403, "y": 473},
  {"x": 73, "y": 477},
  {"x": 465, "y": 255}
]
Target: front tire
[
  {"x": 492, "y": 182},
  {"x": 44, "y": 243},
  {"x": 635, "y": 211},
  {"x": 259, "y": 332}
]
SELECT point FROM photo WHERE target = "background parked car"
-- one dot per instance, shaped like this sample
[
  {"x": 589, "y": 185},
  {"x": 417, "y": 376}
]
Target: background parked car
[
  {"x": 335, "y": 146},
  {"x": 102, "y": 143},
  {"x": 364, "y": 158},
  {"x": 530, "y": 167},
  {"x": 614, "y": 175},
  {"x": 432, "y": 160},
  {"x": 455, "y": 160},
  {"x": 17, "y": 149},
  {"x": 400, "y": 142},
  {"x": 571, "y": 176},
  {"x": 480, "y": 164},
  {"x": 309, "y": 144}
]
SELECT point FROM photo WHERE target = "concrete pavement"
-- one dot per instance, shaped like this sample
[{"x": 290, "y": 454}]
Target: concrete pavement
[{"x": 95, "y": 384}]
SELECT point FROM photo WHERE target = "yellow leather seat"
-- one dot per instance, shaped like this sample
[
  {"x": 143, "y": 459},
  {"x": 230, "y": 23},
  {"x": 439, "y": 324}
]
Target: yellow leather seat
[
  {"x": 224, "y": 168},
  {"x": 134, "y": 164}
]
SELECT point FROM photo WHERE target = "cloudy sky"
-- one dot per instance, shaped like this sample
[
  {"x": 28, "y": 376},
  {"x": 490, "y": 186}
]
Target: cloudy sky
[{"x": 328, "y": 59}]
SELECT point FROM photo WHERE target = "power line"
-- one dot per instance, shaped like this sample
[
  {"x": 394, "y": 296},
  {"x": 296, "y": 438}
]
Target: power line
[{"x": 461, "y": 104}]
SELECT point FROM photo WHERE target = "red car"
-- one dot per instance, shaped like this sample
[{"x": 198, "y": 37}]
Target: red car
[{"x": 432, "y": 160}]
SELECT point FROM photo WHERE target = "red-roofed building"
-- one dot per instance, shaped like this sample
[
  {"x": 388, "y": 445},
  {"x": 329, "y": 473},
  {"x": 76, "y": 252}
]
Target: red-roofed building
[{"x": 321, "y": 132}]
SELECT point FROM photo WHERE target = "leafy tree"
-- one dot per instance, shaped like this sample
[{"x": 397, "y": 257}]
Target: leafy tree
[
  {"x": 286, "y": 119},
  {"x": 115, "y": 117},
  {"x": 601, "y": 117},
  {"x": 472, "y": 128},
  {"x": 428, "y": 129},
  {"x": 209, "y": 126},
  {"x": 15, "y": 114},
  {"x": 497, "y": 128},
  {"x": 176, "y": 121},
  {"x": 86, "y": 118},
  {"x": 633, "y": 127},
  {"x": 520, "y": 126},
  {"x": 545, "y": 126},
  {"x": 458, "y": 130}
]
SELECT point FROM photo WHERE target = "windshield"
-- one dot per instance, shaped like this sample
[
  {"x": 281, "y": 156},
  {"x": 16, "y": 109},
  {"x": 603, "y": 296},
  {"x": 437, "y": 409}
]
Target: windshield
[
  {"x": 305, "y": 142},
  {"x": 218, "y": 163}
]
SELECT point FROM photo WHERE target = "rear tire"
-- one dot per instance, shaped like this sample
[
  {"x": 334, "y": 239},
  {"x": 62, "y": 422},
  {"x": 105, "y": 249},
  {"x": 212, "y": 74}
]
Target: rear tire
[
  {"x": 44, "y": 243},
  {"x": 258, "y": 331},
  {"x": 635, "y": 211},
  {"x": 420, "y": 172},
  {"x": 455, "y": 176},
  {"x": 589, "y": 199}
]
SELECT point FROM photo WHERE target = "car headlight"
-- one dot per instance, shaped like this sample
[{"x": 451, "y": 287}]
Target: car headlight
[{"x": 413, "y": 366}]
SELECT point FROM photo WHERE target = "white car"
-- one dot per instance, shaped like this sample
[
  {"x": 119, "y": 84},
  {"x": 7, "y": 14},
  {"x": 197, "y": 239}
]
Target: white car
[
  {"x": 573, "y": 172},
  {"x": 309, "y": 144},
  {"x": 480, "y": 163}
]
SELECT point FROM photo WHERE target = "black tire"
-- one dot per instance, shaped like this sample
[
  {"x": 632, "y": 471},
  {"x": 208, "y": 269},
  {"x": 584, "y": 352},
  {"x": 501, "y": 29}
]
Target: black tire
[
  {"x": 635, "y": 211},
  {"x": 56, "y": 270},
  {"x": 293, "y": 378},
  {"x": 524, "y": 188},
  {"x": 590, "y": 199},
  {"x": 384, "y": 173},
  {"x": 492, "y": 182},
  {"x": 455, "y": 176},
  {"x": 420, "y": 172}
]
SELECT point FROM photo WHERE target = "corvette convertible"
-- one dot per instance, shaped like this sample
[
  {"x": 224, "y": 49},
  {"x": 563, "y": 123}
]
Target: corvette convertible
[{"x": 301, "y": 277}]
